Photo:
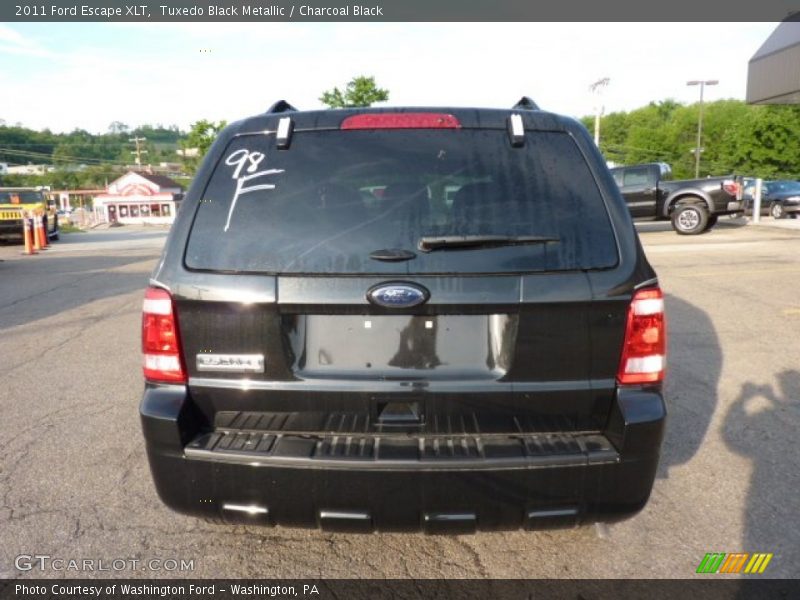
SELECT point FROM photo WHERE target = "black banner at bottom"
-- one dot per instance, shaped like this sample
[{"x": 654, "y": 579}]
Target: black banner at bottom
[{"x": 312, "y": 589}]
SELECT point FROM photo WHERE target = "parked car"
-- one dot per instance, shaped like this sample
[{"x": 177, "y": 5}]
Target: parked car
[
  {"x": 778, "y": 198},
  {"x": 692, "y": 205},
  {"x": 404, "y": 319}
]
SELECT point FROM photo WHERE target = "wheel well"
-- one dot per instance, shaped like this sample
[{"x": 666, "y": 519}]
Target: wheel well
[{"x": 686, "y": 199}]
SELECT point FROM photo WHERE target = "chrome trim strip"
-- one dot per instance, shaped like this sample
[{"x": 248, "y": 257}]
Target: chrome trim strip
[
  {"x": 556, "y": 512},
  {"x": 449, "y": 517},
  {"x": 409, "y": 386},
  {"x": 250, "y": 509},
  {"x": 341, "y": 515}
]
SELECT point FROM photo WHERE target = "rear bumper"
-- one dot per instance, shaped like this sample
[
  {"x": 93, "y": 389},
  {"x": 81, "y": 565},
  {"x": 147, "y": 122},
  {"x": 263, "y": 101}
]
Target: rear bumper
[
  {"x": 730, "y": 207},
  {"x": 440, "y": 484},
  {"x": 12, "y": 227}
]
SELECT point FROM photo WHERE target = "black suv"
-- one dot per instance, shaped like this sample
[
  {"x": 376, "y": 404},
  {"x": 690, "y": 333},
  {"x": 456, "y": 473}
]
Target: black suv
[{"x": 403, "y": 319}]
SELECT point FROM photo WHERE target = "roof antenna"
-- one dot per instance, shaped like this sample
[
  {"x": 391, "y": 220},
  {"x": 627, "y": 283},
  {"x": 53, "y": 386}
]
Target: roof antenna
[
  {"x": 525, "y": 103},
  {"x": 281, "y": 106}
]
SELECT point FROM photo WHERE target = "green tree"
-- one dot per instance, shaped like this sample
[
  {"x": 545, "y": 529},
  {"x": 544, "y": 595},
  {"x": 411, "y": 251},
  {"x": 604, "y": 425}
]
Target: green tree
[
  {"x": 360, "y": 91},
  {"x": 766, "y": 143},
  {"x": 718, "y": 145},
  {"x": 200, "y": 136},
  {"x": 738, "y": 138},
  {"x": 80, "y": 146},
  {"x": 117, "y": 127}
]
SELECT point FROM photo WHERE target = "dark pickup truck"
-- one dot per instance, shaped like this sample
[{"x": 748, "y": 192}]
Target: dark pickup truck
[{"x": 693, "y": 205}]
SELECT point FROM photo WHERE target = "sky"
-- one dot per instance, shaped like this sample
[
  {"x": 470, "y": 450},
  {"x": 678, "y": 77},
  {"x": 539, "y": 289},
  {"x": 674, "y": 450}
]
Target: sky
[{"x": 64, "y": 76}]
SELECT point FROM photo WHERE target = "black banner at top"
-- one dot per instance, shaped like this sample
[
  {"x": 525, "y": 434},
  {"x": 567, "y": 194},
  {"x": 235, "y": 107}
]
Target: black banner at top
[{"x": 397, "y": 10}]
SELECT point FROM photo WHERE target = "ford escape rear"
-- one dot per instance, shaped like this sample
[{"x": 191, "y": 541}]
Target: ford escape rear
[{"x": 403, "y": 319}]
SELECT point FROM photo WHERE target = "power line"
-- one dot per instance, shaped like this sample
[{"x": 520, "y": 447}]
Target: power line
[
  {"x": 4, "y": 149},
  {"x": 45, "y": 156},
  {"x": 107, "y": 143}
]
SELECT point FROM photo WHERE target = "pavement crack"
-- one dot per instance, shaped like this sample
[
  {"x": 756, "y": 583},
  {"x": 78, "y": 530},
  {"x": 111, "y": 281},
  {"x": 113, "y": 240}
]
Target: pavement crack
[
  {"x": 477, "y": 561},
  {"x": 72, "y": 284},
  {"x": 113, "y": 312}
]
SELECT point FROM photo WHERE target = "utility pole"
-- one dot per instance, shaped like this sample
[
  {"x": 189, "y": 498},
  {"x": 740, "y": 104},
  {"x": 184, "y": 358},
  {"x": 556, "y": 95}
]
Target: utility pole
[
  {"x": 597, "y": 89},
  {"x": 138, "y": 152},
  {"x": 697, "y": 150}
]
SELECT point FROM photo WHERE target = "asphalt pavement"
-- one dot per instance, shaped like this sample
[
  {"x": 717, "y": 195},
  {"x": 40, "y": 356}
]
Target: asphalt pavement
[{"x": 75, "y": 483}]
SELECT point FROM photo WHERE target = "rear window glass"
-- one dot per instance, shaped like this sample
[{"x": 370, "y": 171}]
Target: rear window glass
[
  {"x": 637, "y": 176},
  {"x": 334, "y": 197}
]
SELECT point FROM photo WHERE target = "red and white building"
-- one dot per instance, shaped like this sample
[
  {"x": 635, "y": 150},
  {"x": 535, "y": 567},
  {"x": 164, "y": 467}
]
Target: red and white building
[{"x": 139, "y": 198}]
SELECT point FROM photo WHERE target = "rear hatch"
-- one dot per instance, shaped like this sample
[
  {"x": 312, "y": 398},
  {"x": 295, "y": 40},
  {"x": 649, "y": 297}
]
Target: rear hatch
[{"x": 428, "y": 281}]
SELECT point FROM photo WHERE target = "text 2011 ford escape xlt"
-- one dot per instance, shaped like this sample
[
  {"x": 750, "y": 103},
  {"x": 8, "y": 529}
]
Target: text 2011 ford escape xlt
[{"x": 403, "y": 319}]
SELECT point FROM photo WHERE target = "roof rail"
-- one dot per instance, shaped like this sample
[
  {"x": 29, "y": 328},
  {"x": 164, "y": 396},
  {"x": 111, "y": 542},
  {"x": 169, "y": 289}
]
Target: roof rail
[
  {"x": 525, "y": 103},
  {"x": 281, "y": 106}
]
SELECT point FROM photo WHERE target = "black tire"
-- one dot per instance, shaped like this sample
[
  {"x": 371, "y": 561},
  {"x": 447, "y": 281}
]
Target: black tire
[
  {"x": 689, "y": 219},
  {"x": 776, "y": 210},
  {"x": 712, "y": 220}
]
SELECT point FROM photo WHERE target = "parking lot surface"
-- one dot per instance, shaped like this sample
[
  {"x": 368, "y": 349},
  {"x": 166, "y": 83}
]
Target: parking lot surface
[{"x": 75, "y": 483}]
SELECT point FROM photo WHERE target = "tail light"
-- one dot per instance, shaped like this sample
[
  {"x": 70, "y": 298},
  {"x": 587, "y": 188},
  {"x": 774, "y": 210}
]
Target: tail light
[
  {"x": 401, "y": 121},
  {"x": 644, "y": 351},
  {"x": 161, "y": 342},
  {"x": 732, "y": 187}
]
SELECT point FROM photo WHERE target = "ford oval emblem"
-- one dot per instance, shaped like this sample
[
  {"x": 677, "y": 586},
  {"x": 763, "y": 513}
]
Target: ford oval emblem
[{"x": 398, "y": 295}]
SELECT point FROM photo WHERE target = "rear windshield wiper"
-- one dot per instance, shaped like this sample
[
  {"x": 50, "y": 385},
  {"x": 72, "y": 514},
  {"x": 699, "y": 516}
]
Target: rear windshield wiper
[{"x": 428, "y": 243}]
